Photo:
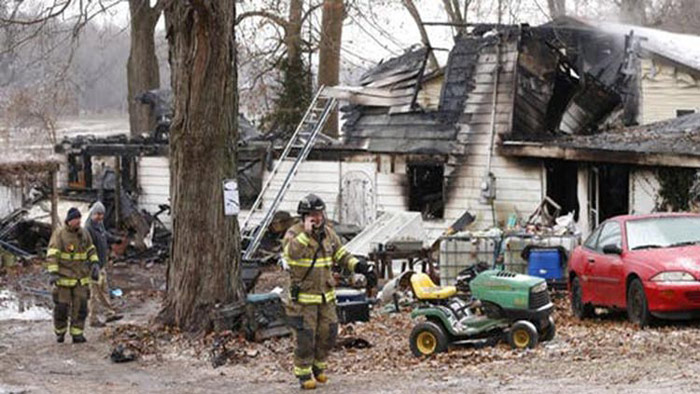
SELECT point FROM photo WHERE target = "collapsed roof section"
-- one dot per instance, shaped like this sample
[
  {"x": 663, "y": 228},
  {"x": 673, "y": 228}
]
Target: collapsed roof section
[
  {"x": 560, "y": 78},
  {"x": 402, "y": 107},
  {"x": 674, "y": 142}
]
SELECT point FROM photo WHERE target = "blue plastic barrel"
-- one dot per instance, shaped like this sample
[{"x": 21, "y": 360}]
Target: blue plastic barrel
[{"x": 545, "y": 263}]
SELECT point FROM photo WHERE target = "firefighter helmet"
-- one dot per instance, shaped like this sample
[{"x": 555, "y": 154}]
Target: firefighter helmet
[{"x": 310, "y": 203}]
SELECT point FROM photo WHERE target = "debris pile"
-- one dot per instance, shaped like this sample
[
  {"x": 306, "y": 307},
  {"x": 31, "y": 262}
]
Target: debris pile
[
  {"x": 23, "y": 237},
  {"x": 130, "y": 342}
]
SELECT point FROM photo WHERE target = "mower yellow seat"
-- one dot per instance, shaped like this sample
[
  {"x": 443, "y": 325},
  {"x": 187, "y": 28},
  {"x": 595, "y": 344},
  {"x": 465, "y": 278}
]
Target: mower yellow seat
[{"x": 425, "y": 289}]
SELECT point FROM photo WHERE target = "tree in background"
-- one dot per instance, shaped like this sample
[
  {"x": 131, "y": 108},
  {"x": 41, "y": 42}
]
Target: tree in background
[
  {"x": 203, "y": 270},
  {"x": 557, "y": 8},
  {"x": 45, "y": 72},
  {"x": 142, "y": 66},
  {"x": 329, "y": 53},
  {"x": 456, "y": 15},
  {"x": 287, "y": 56},
  {"x": 411, "y": 7},
  {"x": 633, "y": 11}
]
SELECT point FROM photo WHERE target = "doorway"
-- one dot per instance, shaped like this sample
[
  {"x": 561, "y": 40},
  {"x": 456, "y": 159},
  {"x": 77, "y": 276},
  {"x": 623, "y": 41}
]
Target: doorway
[
  {"x": 562, "y": 185},
  {"x": 426, "y": 189},
  {"x": 608, "y": 192}
]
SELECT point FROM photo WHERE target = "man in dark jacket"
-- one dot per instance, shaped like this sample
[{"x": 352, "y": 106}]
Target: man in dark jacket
[{"x": 99, "y": 290}]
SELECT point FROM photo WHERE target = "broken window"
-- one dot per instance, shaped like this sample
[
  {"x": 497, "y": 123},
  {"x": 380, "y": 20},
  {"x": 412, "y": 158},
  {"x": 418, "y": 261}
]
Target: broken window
[
  {"x": 79, "y": 171},
  {"x": 425, "y": 189},
  {"x": 562, "y": 185}
]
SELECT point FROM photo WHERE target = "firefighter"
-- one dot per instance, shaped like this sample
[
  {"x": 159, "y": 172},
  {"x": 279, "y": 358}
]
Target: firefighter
[
  {"x": 72, "y": 262},
  {"x": 310, "y": 250}
]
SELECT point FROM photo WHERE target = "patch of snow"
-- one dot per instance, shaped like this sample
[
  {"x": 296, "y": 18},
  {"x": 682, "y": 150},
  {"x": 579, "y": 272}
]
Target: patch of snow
[
  {"x": 12, "y": 308},
  {"x": 99, "y": 126}
]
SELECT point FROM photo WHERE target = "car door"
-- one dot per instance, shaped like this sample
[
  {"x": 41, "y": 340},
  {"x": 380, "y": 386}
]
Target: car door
[
  {"x": 606, "y": 269},
  {"x": 588, "y": 254}
]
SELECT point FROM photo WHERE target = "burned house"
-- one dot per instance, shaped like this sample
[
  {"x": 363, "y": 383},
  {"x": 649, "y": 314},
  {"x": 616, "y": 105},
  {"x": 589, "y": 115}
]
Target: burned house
[
  {"x": 138, "y": 167},
  {"x": 646, "y": 91},
  {"x": 23, "y": 183},
  {"x": 493, "y": 131}
]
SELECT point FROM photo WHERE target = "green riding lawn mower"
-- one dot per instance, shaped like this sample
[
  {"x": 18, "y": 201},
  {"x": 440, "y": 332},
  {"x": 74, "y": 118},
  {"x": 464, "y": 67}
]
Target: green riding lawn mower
[{"x": 484, "y": 305}]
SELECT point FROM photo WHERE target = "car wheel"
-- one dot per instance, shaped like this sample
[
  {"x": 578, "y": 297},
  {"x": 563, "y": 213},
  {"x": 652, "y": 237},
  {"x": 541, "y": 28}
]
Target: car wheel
[
  {"x": 523, "y": 335},
  {"x": 549, "y": 332},
  {"x": 637, "y": 306},
  {"x": 578, "y": 307},
  {"x": 428, "y": 338}
]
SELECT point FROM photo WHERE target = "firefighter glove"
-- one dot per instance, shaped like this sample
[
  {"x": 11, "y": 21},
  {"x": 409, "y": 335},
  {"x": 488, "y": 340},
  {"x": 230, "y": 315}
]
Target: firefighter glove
[
  {"x": 95, "y": 272},
  {"x": 367, "y": 269},
  {"x": 371, "y": 276}
]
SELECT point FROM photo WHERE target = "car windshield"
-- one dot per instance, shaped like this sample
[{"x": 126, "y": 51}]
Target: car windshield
[{"x": 663, "y": 232}]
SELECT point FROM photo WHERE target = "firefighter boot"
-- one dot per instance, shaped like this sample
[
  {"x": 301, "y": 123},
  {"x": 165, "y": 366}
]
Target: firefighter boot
[
  {"x": 79, "y": 339},
  {"x": 307, "y": 382},
  {"x": 60, "y": 338},
  {"x": 320, "y": 375}
]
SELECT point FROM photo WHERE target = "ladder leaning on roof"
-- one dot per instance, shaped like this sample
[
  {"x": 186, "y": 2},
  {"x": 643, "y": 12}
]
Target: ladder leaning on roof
[{"x": 303, "y": 138}]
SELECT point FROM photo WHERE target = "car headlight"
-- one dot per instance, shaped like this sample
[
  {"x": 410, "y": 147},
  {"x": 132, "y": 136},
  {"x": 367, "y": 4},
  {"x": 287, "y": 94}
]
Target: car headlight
[
  {"x": 539, "y": 288},
  {"x": 673, "y": 276}
]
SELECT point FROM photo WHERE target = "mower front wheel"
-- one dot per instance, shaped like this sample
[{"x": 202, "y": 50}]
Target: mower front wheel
[
  {"x": 523, "y": 335},
  {"x": 428, "y": 338},
  {"x": 549, "y": 332}
]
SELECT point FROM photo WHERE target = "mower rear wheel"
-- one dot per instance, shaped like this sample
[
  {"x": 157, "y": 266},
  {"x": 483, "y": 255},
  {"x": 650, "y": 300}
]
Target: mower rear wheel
[
  {"x": 578, "y": 307},
  {"x": 523, "y": 335},
  {"x": 549, "y": 332},
  {"x": 428, "y": 338}
]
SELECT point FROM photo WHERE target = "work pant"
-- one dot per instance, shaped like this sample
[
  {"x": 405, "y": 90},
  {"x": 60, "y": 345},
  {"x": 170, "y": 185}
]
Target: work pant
[
  {"x": 73, "y": 302},
  {"x": 99, "y": 297},
  {"x": 315, "y": 328}
]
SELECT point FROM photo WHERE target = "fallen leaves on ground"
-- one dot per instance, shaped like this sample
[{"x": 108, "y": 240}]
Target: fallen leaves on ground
[{"x": 600, "y": 348}]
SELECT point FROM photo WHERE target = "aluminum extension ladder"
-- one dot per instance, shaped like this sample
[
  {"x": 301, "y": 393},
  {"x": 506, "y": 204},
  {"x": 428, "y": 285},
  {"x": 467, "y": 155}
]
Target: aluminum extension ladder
[{"x": 303, "y": 138}]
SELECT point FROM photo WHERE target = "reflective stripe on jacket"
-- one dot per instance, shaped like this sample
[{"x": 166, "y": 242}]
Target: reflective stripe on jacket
[
  {"x": 70, "y": 254},
  {"x": 299, "y": 249}
]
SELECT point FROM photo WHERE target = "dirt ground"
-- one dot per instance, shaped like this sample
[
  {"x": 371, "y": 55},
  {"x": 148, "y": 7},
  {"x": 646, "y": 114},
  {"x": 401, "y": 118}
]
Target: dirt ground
[{"x": 605, "y": 355}]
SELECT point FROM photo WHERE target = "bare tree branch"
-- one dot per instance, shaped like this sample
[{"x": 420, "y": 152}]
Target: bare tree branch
[
  {"x": 310, "y": 11},
  {"x": 35, "y": 21},
  {"x": 263, "y": 14},
  {"x": 411, "y": 7}
]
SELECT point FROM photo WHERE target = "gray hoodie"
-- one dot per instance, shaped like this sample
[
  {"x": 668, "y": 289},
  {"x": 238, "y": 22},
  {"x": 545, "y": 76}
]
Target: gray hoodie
[{"x": 100, "y": 237}]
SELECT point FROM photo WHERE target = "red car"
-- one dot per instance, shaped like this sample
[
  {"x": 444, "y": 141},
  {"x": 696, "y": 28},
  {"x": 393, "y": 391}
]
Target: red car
[{"x": 647, "y": 264}]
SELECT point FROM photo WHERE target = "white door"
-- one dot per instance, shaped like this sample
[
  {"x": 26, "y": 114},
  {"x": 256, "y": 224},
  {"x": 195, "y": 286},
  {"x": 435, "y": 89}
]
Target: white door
[{"x": 357, "y": 199}]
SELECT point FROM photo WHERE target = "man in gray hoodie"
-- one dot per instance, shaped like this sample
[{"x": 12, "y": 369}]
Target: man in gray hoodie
[{"x": 99, "y": 291}]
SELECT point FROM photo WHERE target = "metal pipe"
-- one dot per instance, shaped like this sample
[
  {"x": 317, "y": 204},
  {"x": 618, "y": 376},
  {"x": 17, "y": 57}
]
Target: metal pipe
[{"x": 494, "y": 102}]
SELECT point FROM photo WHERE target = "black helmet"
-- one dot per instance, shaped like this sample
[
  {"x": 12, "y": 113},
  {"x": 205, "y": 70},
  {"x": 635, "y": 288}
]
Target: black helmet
[{"x": 310, "y": 203}]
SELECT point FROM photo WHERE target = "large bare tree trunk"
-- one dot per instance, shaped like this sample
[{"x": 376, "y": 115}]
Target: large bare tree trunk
[
  {"x": 557, "y": 8},
  {"x": 142, "y": 67},
  {"x": 329, "y": 53},
  {"x": 633, "y": 11},
  {"x": 204, "y": 267},
  {"x": 411, "y": 7},
  {"x": 293, "y": 36},
  {"x": 454, "y": 13}
]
